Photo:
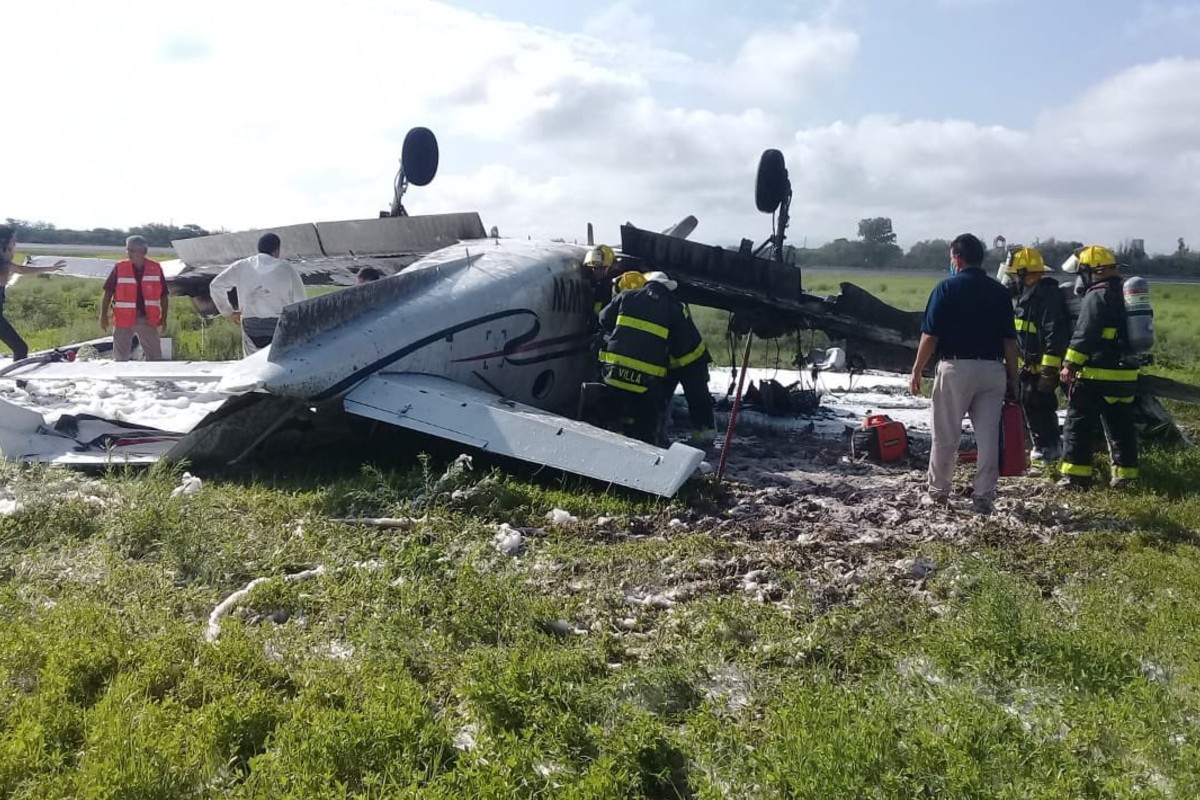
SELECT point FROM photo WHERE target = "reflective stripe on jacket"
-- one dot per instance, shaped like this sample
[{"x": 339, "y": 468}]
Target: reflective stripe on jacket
[
  {"x": 638, "y": 327},
  {"x": 686, "y": 345},
  {"x": 125, "y": 298},
  {"x": 1043, "y": 325},
  {"x": 1098, "y": 344}
]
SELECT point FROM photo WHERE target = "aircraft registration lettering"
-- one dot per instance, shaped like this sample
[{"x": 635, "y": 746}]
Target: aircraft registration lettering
[{"x": 571, "y": 296}]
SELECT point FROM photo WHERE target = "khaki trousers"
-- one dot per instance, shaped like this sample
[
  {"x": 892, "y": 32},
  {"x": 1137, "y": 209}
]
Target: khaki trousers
[
  {"x": 967, "y": 388},
  {"x": 147, "y": 335}
]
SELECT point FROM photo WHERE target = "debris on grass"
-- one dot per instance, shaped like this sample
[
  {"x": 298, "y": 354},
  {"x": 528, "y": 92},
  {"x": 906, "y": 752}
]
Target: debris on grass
[
  {"x": 560, "y": 517},
  {"x": 384, "y": 523},
  {"x": 508, "y": 540},
  {"x": 229, "y": 603},
  {"x": 188, "y": 484}
]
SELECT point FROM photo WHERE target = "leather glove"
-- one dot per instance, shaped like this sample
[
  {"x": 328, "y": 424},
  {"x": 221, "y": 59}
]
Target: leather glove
[{"x": 1048, "y": 380}]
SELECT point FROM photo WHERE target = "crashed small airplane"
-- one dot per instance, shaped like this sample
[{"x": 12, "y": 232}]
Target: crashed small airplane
[{"x": 476, "y": 339}]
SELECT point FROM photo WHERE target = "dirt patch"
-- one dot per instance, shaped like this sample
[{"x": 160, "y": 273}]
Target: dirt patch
[{"x": 814, "y": 525}]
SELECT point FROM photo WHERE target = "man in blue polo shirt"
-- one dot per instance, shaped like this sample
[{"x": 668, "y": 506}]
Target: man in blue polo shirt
[{"x": 969, "y": 325}]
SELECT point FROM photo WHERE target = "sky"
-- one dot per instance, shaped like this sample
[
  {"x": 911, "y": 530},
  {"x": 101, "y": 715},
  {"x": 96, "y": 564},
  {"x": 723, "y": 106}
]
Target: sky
[{"x": 1078, "y": 119}]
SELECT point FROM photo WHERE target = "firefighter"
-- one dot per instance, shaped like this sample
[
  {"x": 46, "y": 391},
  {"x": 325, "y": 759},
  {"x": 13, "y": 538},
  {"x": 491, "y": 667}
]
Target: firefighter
[
  {"x": 1101, "y": 382},
  {"x": 1043, "y": 330},
  {"x": 688, "y": 367},
  {"x": 636, "y": 354},
  {"x": 599, "y": 263}
]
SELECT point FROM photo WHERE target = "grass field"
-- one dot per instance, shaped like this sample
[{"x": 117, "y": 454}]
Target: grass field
[{"x": 424, "y": 663}]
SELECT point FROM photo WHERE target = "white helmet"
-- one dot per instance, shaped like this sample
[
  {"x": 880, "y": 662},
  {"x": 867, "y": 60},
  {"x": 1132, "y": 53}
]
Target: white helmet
[{"x": 661, "y": 277}]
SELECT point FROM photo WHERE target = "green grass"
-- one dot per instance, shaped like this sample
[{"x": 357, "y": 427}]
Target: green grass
[
  {"x": 1067, "y": 669},
  {"x": 49, "y": 311},
  {"x": 423, "y": 663}
]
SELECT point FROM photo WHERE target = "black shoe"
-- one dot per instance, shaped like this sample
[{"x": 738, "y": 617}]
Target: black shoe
[{"x": 1072, "y": 484}]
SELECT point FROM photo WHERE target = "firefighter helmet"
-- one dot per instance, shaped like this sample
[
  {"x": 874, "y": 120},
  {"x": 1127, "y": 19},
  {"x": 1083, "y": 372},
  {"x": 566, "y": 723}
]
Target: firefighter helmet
[
  {"x": 599, "y": 256},
  {"x": 1092, "y": 258},
  {"x": 629, "y": 281},
  {"x": 1027, "y": 259}
]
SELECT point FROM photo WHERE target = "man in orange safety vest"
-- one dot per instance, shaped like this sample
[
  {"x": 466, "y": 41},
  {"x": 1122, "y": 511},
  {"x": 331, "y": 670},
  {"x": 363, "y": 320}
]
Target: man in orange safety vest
[{"x": 137, "y": 294}]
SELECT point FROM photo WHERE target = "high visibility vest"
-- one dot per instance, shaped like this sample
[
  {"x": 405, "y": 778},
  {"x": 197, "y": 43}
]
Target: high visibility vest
[{"x": 126, "y": 297}]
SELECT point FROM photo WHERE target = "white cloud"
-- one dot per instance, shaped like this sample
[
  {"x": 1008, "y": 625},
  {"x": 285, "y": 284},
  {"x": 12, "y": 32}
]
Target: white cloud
[
  {"x": 786, "y": 63},
  {"x": 1120, "y": 161},
  {"x": 292, "y": 115}
]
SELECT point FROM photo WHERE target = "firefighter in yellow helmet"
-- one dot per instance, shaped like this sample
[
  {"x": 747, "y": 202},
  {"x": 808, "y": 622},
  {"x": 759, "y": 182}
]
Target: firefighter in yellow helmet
[
  {"x": 1101, "y": 383},
  {"x": 1043, "y": 330},
  {"x": 598, "y": 264},
  {"x": 637, "y": 327}
]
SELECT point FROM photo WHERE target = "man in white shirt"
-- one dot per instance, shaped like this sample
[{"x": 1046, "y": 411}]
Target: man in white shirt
[{"x": 265, "y": 283}]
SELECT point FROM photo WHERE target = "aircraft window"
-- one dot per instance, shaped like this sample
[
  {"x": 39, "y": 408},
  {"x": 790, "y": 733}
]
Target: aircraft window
[{"x": 543, "y": 383}]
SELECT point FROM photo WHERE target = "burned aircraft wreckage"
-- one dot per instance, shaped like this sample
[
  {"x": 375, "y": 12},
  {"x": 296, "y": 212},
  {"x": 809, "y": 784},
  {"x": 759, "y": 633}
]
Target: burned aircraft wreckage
[{"x": 475, "y": 339}]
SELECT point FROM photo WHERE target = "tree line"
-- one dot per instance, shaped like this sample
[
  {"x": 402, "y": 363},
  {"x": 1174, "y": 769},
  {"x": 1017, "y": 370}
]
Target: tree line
[
  {"x": 876, "y": 248},
  {"x": 155, "y": 233}
]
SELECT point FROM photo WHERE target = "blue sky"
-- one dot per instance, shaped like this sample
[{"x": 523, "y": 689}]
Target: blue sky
[
  {"x": 1025, "y": 118},
  {"x": 991, "y": 61}
]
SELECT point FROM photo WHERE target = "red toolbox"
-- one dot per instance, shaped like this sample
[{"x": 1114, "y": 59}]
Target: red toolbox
[{"x": 887, "y": 440}]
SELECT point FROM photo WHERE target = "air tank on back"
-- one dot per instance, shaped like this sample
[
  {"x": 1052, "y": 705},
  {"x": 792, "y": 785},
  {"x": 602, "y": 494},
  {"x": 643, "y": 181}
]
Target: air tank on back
[
  {"x": 1139, "y": 318},
  {"x": 1072, "y": 292}
]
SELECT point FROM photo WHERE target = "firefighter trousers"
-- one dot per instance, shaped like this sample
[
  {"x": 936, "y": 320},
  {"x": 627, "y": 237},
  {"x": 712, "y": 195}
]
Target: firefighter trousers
[
  {"x": 694, "y": 379},
  {"x": 1090, "y": 413},
  {"x": 1041, "y": 413},
  {"x": 637, "y": 415}
]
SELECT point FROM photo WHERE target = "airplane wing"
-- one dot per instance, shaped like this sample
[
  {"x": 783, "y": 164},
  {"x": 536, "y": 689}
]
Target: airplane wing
[
  {"x": 324, "y": 253},
  {"x": 104, "y": 369},
  {"x": 327, "y": 253},
  {"x": 443, "y": 408},
  {"x": 79, "y": 439}
]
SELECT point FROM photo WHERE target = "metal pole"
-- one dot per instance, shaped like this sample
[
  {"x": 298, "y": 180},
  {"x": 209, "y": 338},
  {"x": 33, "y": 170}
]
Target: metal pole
[{"x": 733, "y": 414}]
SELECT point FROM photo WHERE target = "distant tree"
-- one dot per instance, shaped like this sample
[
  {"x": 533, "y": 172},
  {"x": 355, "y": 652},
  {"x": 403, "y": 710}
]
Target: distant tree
[
  {"x": 1054, "y": 252},
  {"x": 190, "y": 232},
  {"x": 1182, "y": 248},
  {"x": 876, "y": 231},
  {"x": 156, "y": 233},
  {"x": 929, "y": 255}
]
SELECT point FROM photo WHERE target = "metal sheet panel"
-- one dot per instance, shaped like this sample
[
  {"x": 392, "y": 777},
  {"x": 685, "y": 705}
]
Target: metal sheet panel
[
  {"x": 449, "y": 410},
  {"x": 103, "y": 369},
  {"x": 222, "y": 249},
  {"x": 392, "y": 236}
]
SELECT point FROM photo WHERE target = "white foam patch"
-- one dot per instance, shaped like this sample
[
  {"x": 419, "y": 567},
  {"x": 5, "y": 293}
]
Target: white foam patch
[
  {"x": 171, "y": 406},
  {"x": 175, "y": 406}
]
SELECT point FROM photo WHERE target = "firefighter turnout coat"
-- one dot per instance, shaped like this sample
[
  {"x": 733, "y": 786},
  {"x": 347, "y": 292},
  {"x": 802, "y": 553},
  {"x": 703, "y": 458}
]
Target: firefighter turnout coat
[
  {"x": 1105, "y": 385},
  {"x": 1043, "y": 326},
  {"x": 638, "y": 325}
]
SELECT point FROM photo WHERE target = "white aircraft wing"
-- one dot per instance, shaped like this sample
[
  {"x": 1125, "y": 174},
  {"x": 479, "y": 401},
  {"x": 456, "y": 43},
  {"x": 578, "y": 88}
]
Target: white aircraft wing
[
  {"x": 104, "y": 369},
  {"x": 79, "y": 439},
  {"x": 440, "y": 407}
]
